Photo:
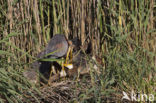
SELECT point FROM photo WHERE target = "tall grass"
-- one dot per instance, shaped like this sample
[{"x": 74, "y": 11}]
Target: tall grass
[{"x": 122, "y": 34}]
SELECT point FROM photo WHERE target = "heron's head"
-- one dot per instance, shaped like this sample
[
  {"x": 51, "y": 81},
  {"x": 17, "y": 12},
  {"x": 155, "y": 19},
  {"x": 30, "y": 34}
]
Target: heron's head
[{"x": 75, "y": 43}]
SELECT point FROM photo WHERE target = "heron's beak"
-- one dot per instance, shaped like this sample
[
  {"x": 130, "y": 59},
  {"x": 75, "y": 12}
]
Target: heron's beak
[
  {"x": 68, "y": 62},
  {"x": 69, "y": 55},
  {"x": 69, "y": 66}
]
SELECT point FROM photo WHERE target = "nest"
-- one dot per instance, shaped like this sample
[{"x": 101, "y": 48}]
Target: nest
[
  {"x": 64, "y": 91},
  {"x": 60, "y": 92}
]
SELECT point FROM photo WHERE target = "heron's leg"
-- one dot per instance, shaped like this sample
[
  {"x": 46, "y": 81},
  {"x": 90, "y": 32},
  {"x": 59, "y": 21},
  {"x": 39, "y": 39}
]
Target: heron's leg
[
  {"x": 51, "y": 71},
  {"x": 63, "y": 72}
]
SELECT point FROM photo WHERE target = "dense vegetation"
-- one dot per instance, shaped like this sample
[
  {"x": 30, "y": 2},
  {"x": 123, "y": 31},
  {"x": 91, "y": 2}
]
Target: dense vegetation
[{"x": 122, "y": 34}]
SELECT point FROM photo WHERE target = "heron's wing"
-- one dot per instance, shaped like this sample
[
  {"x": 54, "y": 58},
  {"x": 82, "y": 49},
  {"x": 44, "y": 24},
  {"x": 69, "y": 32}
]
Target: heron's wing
[{"x": 57, "y": 47}]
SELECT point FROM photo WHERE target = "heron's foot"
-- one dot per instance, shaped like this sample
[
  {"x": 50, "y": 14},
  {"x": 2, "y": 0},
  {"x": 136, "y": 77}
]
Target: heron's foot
[{"x": 69, "y": 56}]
